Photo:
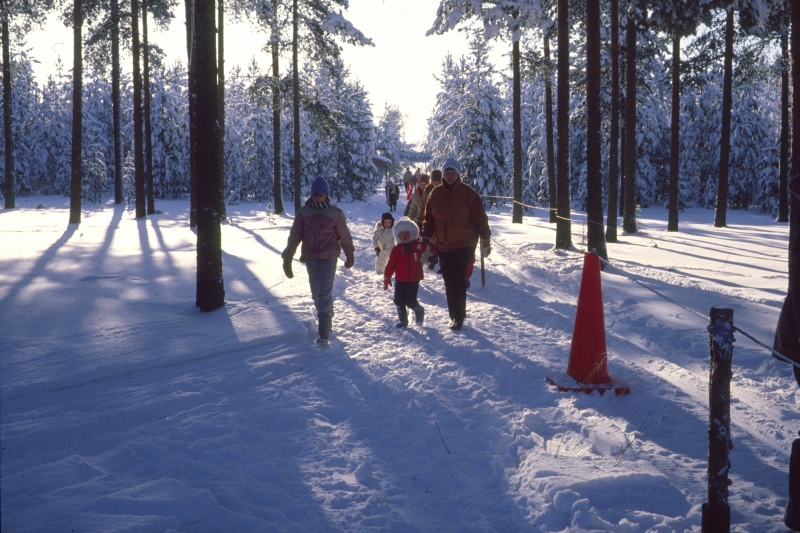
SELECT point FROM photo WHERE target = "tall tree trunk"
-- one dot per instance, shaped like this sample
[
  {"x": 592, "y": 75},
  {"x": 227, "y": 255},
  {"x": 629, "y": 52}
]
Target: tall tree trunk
[
  {"x": 563, "y": 225},
  {"x": 674, "y": 155},
  {"x": 76, "y": 170},
  {"x": 783, "y": 192},
  {"x": 148, "y": 130},
  {"x": 613, "y": 149},
  {"x": 516, "y": 217},
  {"x": 720, "y": 213},
  {"x": 548, "y": 114},
  {"x": 595, "y": 230},
  {"x": 8, "y": 116},
  {"x": 191, "y": 67},
  {"x": 138, "y": 133},
  {"x": 623, "y": 158},
  {"x": 277, "y": 187},
  {"x": 629, "y": 215},
  {"x": 115, "y": 102},
  {"x": 223, "y": 183},
  {"x": 296, "y": 105},
  {"x": 210, "y": 286},
  {"x": 794, "y": 173}
]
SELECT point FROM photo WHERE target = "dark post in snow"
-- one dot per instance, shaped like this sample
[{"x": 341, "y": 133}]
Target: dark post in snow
[{"x": 716, "y": 511}]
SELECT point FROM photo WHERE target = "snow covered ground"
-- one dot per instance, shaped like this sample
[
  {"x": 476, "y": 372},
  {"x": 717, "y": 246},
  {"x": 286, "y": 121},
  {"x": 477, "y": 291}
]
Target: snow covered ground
[{"x": 125, "y": 409}]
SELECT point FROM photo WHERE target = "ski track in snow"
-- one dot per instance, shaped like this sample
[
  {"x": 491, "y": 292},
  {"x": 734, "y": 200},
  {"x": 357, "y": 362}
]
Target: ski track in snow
[{"x": 149, "y": 416}]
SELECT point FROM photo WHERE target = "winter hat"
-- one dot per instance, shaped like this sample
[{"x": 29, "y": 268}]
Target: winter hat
[
  {"x": 387, "y": 216},
  {"x": 436, "y": 175},
  {"x": 452, "y": 163},
  {"x": 405, "y": 224},
  {"x": 320, "y": 185}
]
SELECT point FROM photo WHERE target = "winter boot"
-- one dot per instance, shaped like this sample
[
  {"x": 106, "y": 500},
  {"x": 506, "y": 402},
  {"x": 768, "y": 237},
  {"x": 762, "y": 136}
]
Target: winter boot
[
  {"x": 457, "y": 324},
  {"x": 402, "y": 312},
  {"x": 792, "y": 516},
  {"x": 419, "y": 313},
  {"x": 324, "y": 329}
]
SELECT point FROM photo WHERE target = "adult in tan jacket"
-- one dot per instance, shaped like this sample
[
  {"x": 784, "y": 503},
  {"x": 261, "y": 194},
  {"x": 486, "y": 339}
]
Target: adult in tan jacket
[
  {"x": 417, "y": 204},
  {"x": 455, "y": 217}
]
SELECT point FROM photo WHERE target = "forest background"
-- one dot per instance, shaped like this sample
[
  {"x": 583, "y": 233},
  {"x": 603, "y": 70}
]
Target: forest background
[{"x": 471, "y": 119}]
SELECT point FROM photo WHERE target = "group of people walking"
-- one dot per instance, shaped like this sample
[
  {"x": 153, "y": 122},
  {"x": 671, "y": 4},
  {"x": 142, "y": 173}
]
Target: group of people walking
[{"x": 445, "y": 223}]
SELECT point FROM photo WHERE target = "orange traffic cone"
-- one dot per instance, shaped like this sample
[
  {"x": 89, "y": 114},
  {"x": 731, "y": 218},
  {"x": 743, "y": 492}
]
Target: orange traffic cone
[{"x": 587, "y": 369}]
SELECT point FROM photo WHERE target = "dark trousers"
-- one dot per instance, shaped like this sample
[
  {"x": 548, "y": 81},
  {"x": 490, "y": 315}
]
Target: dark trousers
[
  {"x": 454, "y": 269},
  {"x": 405, "y": 293}
]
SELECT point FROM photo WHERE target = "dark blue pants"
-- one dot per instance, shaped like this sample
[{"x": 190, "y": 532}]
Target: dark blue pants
[
  {"x": 454, "y": 269},
  {"x": 405, "y": 293}
]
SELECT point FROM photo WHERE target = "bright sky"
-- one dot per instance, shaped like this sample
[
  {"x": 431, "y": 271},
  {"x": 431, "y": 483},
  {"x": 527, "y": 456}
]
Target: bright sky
[{"x": 398, "y": 70}]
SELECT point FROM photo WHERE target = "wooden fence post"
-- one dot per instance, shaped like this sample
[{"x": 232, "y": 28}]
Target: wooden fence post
[{"x": 716, "y": 515}]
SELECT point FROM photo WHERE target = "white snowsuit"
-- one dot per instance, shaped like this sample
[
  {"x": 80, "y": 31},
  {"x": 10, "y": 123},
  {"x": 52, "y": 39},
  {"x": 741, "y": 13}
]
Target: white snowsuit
[{"x": 383, "y": 239}]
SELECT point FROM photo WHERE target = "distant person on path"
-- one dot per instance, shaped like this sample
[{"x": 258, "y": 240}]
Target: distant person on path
[
  {"x": 392, "y": 193},
  {"x": 322, "y": 228},
  {"x": 456, "y": 218},
  {"x": 416, "y": 206},
  {"x": 383, "y": 241},
  {"x": 436, "y": 180},
  {"x": 407, "y": 177},
  {"x": 405, "y": 264}
]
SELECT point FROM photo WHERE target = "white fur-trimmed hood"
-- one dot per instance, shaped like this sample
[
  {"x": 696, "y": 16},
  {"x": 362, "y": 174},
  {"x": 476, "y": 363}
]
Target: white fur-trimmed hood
[{"x": 405, "y": 224}]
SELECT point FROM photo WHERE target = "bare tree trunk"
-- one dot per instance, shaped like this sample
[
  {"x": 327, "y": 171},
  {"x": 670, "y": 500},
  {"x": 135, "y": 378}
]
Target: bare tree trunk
[
  {"x": 563, "y": 225},
  {"x": 76, "y": 170},
  {"x": 138, "y": 133},
  {"x": 516, "y": 217},
  {"x": 674, "y": 156},
  {"x": 296, "y": 105},
  {"x": 623, "y": 158},
  {"x": 277, "y": 186},
  {"x": 613, "y": 150},
  {"x": 548, "y": 114},
  {"x": 148, "y": 130},
  {"x": 595, "y": 230},
  {"x": 8, "y": 116},
  {"x": 783, "y": 192},
  {"x": 629, "y": 215},
  {"x": 191, "y": 67},
  {"x": 115, "y": 102},
  {"x": 210, "y": 286},
  {"x": 720, "y": 213},
  {"x": 221, "y": 94}
]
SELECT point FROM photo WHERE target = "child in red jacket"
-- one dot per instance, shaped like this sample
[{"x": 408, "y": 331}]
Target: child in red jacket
[{"x": 405, "y": 263}]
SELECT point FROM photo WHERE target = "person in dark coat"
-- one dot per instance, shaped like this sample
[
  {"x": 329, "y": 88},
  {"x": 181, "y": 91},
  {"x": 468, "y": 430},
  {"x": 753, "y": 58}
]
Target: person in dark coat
[
  {"x": 322, "y": 229},
  {"x": 456, "y": 218},
  {"x": 392, "y": 194},
  {"x": 787, "y": 343}
]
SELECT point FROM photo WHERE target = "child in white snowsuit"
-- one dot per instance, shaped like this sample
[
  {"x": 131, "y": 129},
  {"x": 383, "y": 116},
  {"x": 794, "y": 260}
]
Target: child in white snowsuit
[
  {"x": 405, "y": 263},
  {"x": 383, "y": 241}
]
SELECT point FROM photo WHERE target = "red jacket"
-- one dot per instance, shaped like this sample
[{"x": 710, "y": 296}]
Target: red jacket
[{"x": 405, "y": 261}]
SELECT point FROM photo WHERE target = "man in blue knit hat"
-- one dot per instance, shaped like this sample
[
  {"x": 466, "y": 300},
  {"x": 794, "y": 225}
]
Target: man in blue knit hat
[{"x": 322, "y": 230}]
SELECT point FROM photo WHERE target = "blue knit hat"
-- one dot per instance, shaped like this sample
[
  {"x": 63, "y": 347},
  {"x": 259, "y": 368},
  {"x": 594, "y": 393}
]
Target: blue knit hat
[
  {"x": 320, "y": 185},
  {"x": 452, "y": 163}
]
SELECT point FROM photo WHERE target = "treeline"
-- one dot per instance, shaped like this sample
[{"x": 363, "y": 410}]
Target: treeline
[
  {"x": 337, "y": 134},
  {"x": 473, "y": 120}
]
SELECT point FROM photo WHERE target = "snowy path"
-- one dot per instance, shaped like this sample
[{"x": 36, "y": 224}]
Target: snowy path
[{"x": 125, "y": 409}]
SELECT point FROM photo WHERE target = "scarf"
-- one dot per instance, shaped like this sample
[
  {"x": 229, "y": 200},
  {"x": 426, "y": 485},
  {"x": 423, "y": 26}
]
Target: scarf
[{"x": 318, "y": 206}]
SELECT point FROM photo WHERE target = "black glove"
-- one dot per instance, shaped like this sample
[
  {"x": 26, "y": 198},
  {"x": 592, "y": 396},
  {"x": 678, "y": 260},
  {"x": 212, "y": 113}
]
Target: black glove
[
  {"x": 432, "y": 261},
  {"x": 287, "y": 267},
  {"x": 377, "y": 251},
  {"x": 349, "y": 260}
]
